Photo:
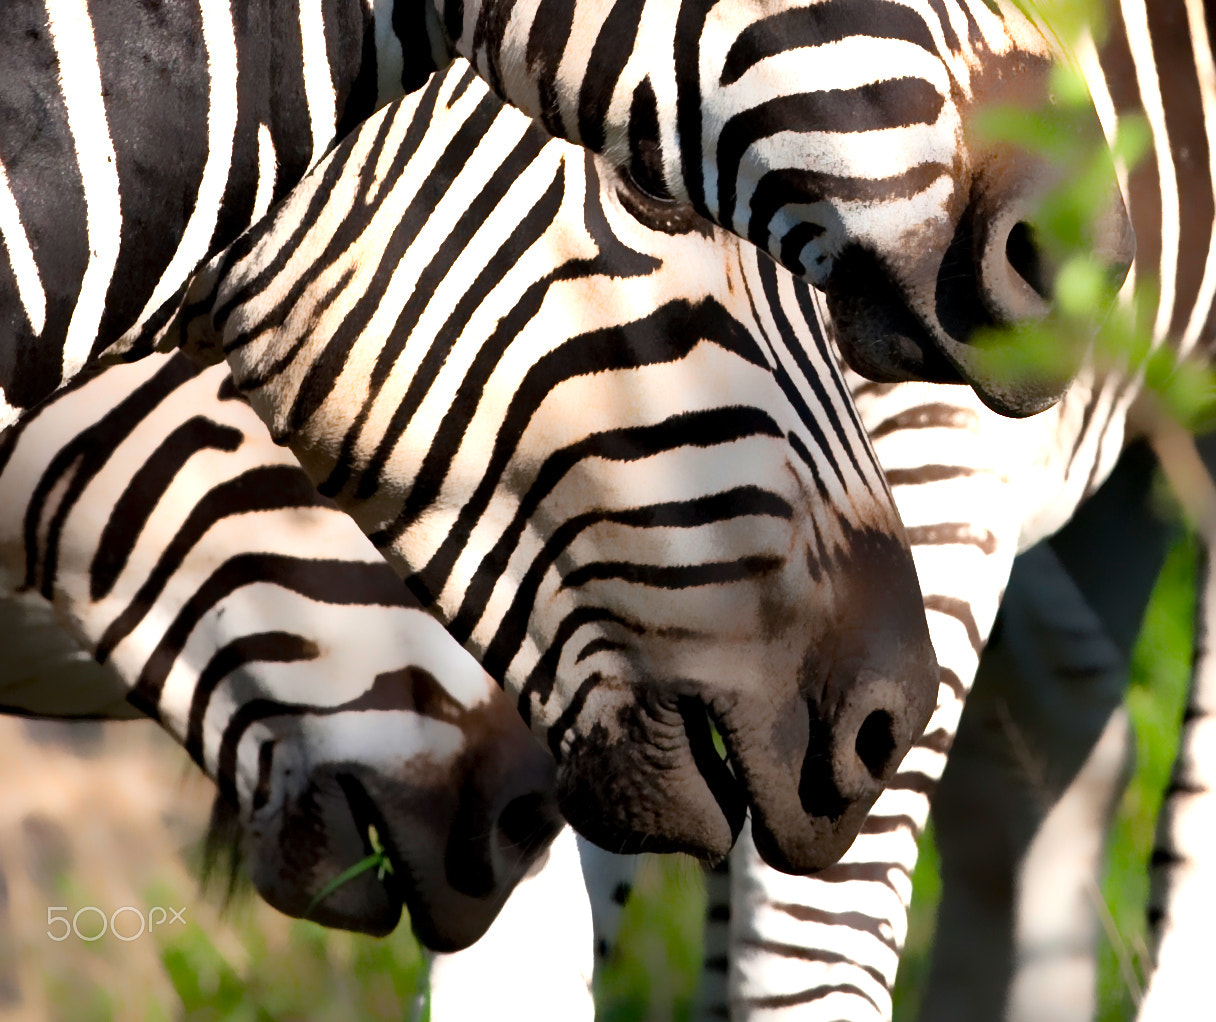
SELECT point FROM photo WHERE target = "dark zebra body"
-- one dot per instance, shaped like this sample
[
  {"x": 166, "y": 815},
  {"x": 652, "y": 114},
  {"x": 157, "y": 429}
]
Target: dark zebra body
[
  {"x": 195, "y": 561},
  {"x": 136, "y": 142}
]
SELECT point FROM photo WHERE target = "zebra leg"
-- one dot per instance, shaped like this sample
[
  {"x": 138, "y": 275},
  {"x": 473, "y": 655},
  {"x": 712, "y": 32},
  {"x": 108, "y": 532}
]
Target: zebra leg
[
  {"x": 1183, "y": 877},
  {"x": 1039, "y": 764},
  {"x": 535, "y": 961},
  {"x": 608, "y": 879},
  {"x": 713, "y": 997},
  {"x": 1183, "y": 885},
  {"x": 1035, "y": 772}
]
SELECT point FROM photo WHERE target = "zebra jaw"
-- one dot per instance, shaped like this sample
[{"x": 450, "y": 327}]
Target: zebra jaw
[
  {"x": 354, "y": 831},
  {"x": 807, "y": 739}
]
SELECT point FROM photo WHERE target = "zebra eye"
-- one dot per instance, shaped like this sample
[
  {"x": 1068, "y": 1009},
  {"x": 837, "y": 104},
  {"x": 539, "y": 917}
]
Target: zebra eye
[
  {"x": 659, "y": 214},
  {"x": 638, "y": 177}
]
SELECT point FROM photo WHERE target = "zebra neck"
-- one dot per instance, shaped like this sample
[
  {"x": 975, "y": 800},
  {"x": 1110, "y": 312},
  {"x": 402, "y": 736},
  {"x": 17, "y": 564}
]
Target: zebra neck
[
  {"x": 1156, "y": 63},
  {"x": 602, "y": 76}
]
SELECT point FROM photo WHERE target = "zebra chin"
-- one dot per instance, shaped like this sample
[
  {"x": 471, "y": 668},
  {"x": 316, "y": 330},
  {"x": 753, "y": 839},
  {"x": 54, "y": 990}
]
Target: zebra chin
[
  {"x": 670, "y": 790},
  {"x": 450, "y": 843},
  {"x": 802, "y": 731}
]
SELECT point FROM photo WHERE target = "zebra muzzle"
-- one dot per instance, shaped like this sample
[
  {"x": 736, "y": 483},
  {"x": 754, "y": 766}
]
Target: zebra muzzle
[{"x": 950, "y": 306}]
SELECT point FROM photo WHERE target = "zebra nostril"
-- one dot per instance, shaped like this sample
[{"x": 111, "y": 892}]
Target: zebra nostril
[
  {"x": 1026, "y": 258},
  {"x": 1014, "y": 276},
  {"x": 530, "y": 821},
  {"x": 875, "y": 742}
]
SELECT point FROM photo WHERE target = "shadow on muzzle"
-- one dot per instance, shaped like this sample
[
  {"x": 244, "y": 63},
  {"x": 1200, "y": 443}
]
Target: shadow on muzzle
[
  {"x": 917, "y": 314},
  {"x": 453, "y": 839},
  {"x": 805, "y": 742}
]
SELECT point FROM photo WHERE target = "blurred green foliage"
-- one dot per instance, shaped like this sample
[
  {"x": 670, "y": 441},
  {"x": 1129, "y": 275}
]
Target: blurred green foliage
[{"x": 1086, "y": 316}]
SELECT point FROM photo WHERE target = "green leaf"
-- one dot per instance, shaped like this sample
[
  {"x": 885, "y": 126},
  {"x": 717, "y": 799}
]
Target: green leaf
[{"x": 378, "y": 860}]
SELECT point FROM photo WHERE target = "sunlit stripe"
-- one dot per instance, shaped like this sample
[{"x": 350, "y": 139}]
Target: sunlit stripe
[
  {"x": 1135, "y": 18},
  {"x": 1108, "y": 117},
  {"x": 21, "y": 257},
  {"x": 80, "y": 77},
  {"x": 1205, "y": 69},
  {"x": 267, "y": 172},
  {"x": 220, "y": 45},
  {"x": 318, "y": 83}
]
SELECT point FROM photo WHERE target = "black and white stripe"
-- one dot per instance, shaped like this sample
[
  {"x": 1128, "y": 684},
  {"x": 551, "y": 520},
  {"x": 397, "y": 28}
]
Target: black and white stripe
[
  {"x": 839, "y": 137},
  {"x": 195, "y": 561},
  {"x": 135, "y": 143},
  {"x": 610, "y": 447},
  {"x": 834, "y": 135}
]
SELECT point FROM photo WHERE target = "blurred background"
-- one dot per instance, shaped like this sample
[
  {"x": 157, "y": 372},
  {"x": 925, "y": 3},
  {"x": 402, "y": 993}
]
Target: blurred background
[{"x": 105, "y": 816}]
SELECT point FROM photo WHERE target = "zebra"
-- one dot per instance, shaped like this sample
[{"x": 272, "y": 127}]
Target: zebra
[
  {"x": 599, "y": 505},
  {"x": 836, "y": 136},
  {"x": 845, "y": 316},
  {"x": 828, "y": 947},
  {"x": 227, "y": 600}
]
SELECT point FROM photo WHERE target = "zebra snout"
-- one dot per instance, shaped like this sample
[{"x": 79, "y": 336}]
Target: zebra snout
[
  {"x": 853, "y": 752},
  {"x": 803, "y": 820},
  {"x": 928, "y": 312},
  {"x": 1002, "y": 269},
  {"x": 1017, "y": 260},
  {"x": 498, "y": 831}
]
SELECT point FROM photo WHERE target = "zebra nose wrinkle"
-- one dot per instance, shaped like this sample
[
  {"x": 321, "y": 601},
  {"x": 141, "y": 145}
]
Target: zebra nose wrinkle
[
  {"x": 870, "y": 728},
  {"x": 852, "y": 753}
]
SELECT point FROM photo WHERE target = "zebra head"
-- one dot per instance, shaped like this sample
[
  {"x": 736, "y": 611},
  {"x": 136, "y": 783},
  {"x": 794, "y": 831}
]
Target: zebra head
[
  {"x": 195, "y": 561},
  {"x": 610, "y": 447},
  {"x": 840, "y": 136},
  {"x": 435, "y": 772}
]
